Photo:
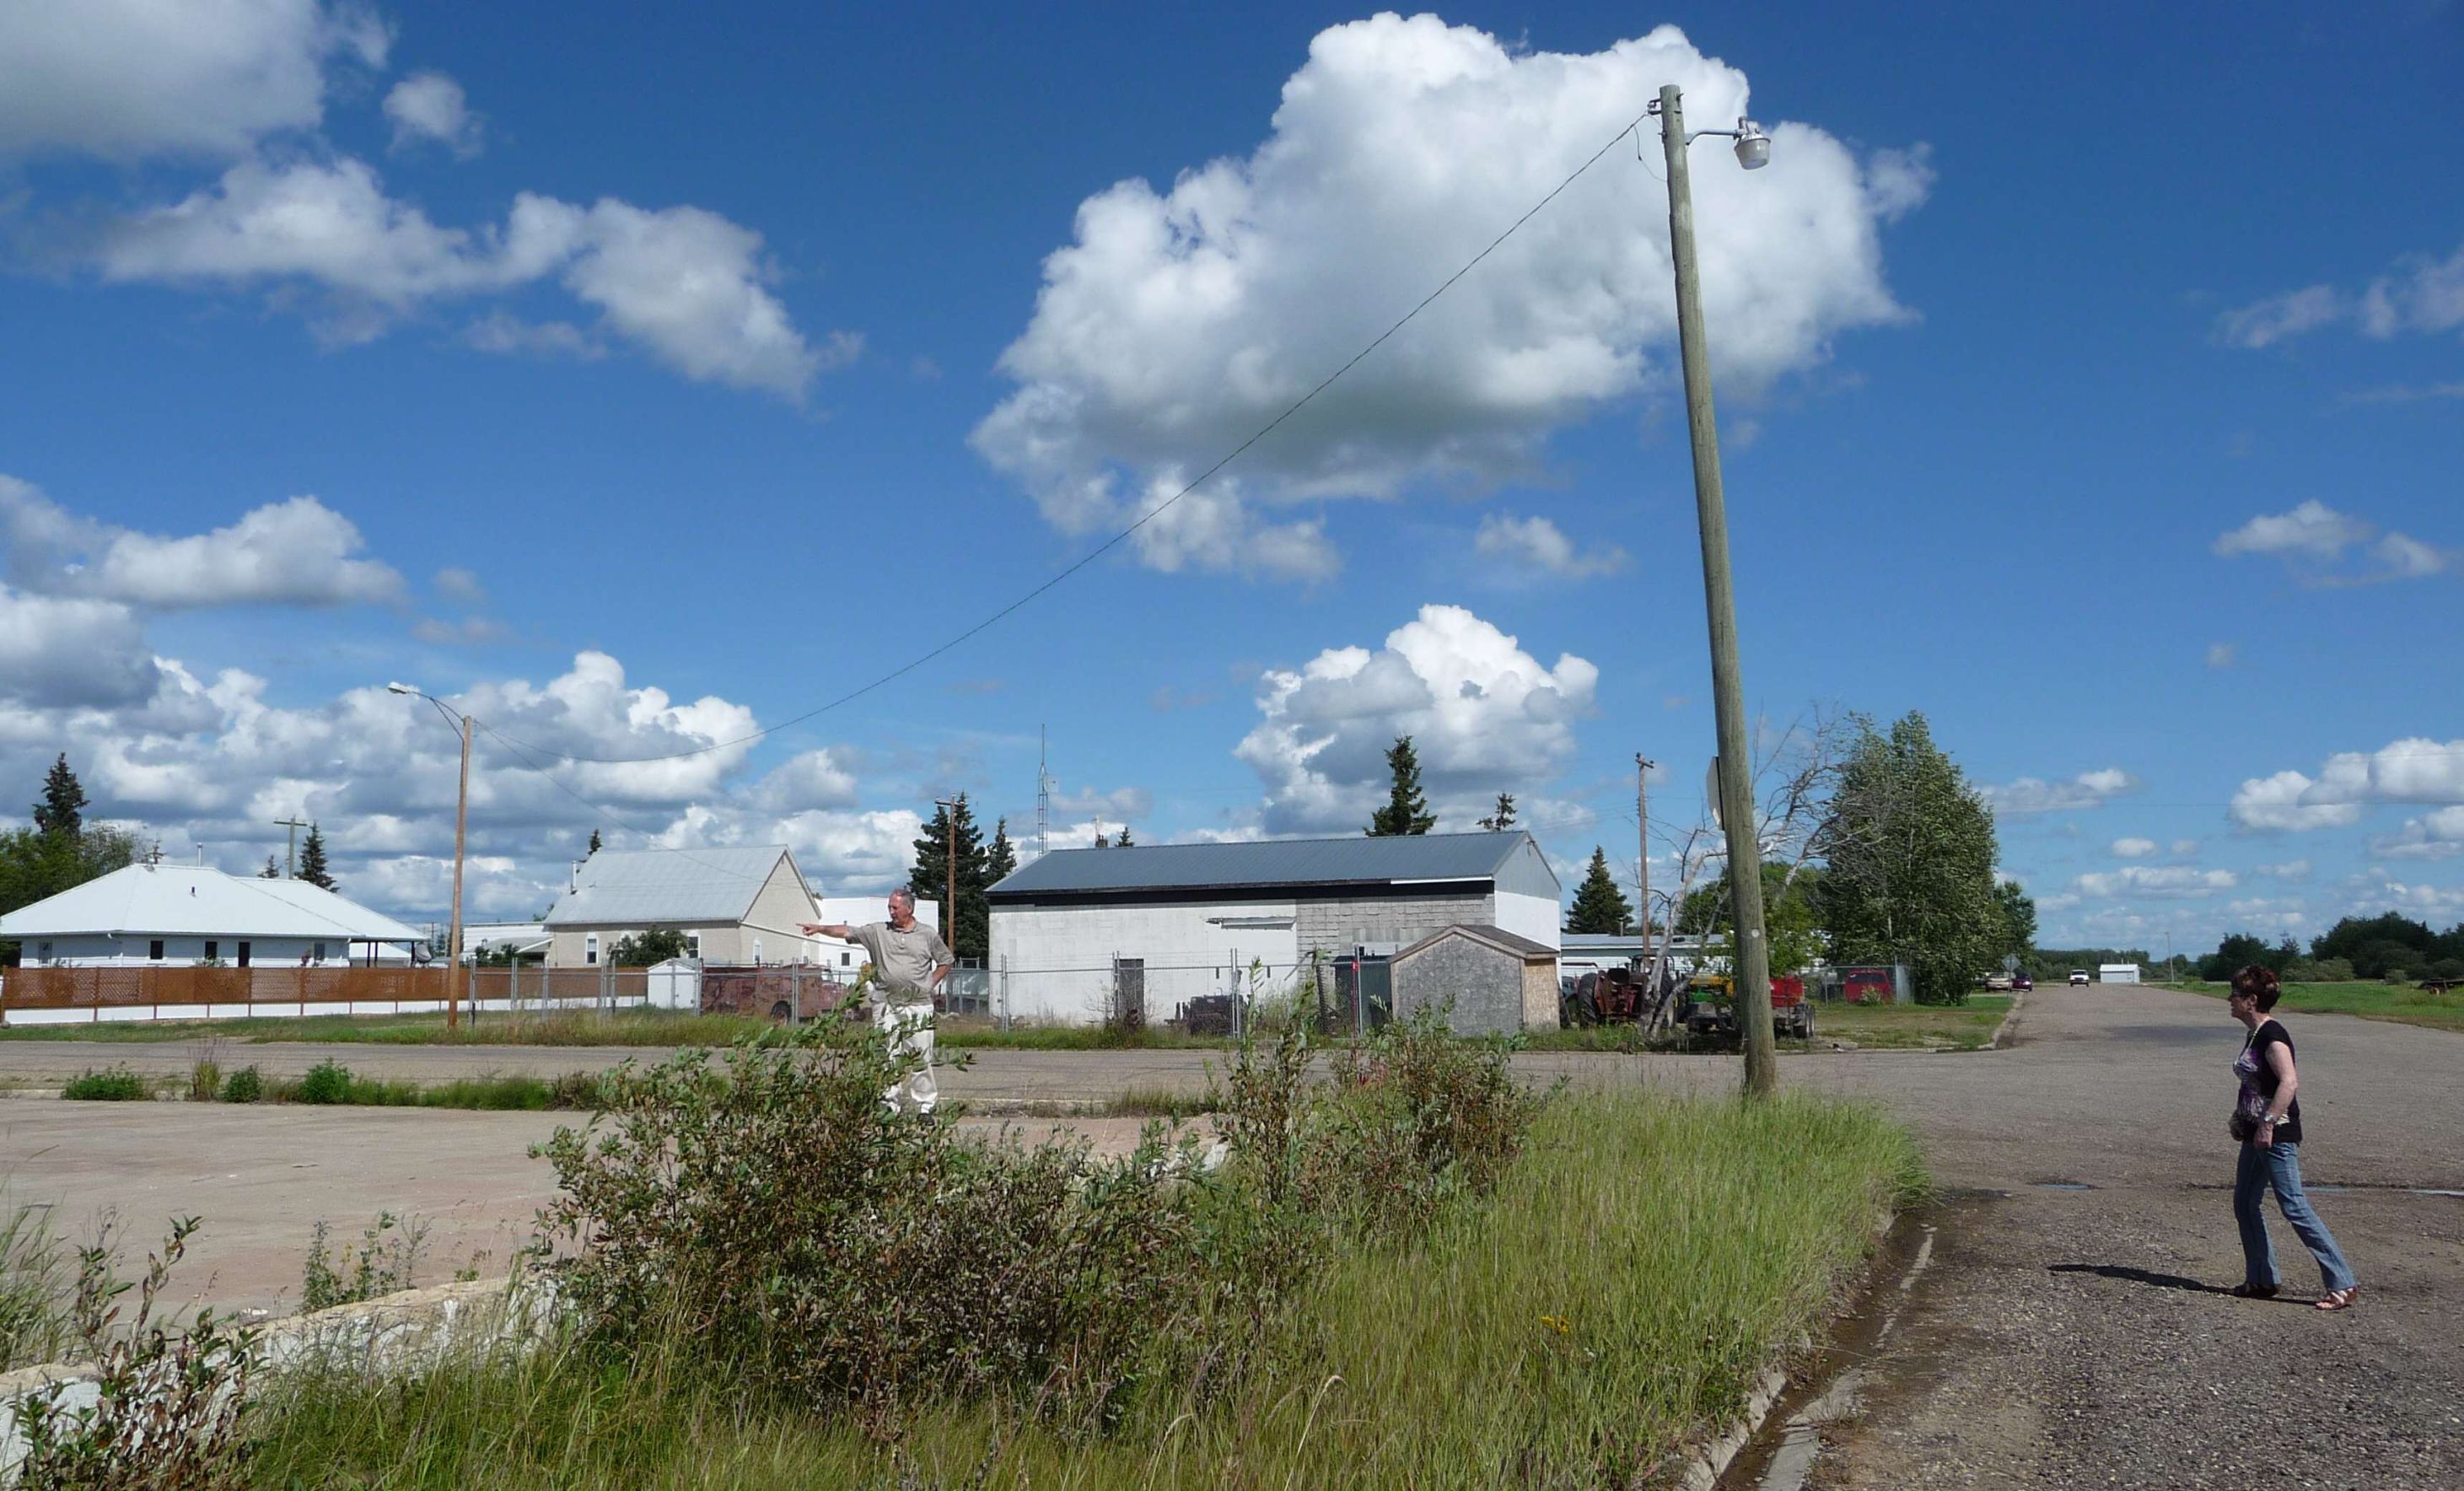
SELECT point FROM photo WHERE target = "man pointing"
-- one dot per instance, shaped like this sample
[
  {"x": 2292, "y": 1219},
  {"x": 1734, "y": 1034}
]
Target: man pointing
[{"x": 909, "y": 962}]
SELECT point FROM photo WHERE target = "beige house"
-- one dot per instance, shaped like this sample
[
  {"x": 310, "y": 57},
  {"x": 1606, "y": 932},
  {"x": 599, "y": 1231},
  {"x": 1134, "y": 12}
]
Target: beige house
[{"x": 735, "y": 905}]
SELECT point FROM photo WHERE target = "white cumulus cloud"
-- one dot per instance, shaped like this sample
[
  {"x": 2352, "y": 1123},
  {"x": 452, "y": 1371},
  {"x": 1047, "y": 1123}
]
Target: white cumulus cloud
[
  {"x": 297, "y": 551},
  {"x": 428, "y": 108},
  {"x": 1537, "y": 548},
  {"x": 129, "y": 78},
  {"x": 1175, "y": 323},
  {"x": 2411, "y": 770},
  {"x": 2133, "y": 848},
  {"x": 2035, "y": 795},
  {"x": 2155, "y": 880},
  {"x": 687, "y": 284},
  {"x": 2314, "y": 539},
  {"x": 1483, "y": 716}
]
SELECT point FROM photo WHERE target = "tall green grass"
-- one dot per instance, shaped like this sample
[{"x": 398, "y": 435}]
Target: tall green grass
[
  {"x": 2401, "y": 1003},
  {"x": 35, "y": 1289},
  {"x": 1609, "y": 1303}
]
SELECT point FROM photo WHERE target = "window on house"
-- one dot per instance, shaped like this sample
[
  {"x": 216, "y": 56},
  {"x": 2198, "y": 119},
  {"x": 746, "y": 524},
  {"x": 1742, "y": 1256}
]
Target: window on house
[
  {"x": 154, "y": 950},
  {"x": 42, "y": 951},
  {"x": 213, "y": 950},
  {"x": 693, "y": 946},
  {"x": 590, "y": 947},
  {"x": 243, "y": 954},
  {"x": 757, "y": 953},
  {"x": 845, "y": 958},
  {"x": 321, "y": 952}
]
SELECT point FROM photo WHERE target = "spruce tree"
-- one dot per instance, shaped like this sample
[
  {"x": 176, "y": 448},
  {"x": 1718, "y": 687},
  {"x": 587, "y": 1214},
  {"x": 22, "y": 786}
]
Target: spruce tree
[
  {"x": 970, "y": 922},
  {"x": 1001, "y": 859},
  {"x": 273, "y": 869},
  {"x": 1599, "y": 906},
  {"x": 312, "y": 860},
  {"x": 594, "y": 845},
  {"x": 1502, "y": 819},
  {"x": 1406, "y": 810},
  {"x": 62, "y": 810},
  {"x": 1122, "y": 840}
]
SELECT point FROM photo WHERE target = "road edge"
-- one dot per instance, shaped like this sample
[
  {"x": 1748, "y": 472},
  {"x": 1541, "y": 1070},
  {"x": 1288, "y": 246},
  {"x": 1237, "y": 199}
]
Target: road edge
[{"x": 2002, "y": 1031}]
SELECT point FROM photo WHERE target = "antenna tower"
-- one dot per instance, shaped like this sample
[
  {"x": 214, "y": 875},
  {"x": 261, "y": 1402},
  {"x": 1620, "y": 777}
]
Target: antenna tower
[{"x": 1042, "y": 797}]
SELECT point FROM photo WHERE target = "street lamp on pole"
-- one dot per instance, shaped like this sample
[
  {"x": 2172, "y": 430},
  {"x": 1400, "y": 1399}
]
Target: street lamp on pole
[
  {"x": 461, "y": 827},
  {"x": 1752, "y": 950}
]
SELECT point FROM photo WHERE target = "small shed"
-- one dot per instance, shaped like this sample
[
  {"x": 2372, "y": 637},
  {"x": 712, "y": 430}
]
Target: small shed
[
  {"x": 1498, "y": 981},
  {"x": 2117, "y": 972}
]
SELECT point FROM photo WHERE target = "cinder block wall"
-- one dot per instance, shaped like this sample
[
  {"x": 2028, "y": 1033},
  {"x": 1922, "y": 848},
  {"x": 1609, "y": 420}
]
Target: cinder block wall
[{"x": 1340, "y": 924}]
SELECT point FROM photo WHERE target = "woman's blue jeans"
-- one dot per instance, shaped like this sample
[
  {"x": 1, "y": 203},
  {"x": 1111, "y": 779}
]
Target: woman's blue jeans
[{"x": 2280, "y": 1166}]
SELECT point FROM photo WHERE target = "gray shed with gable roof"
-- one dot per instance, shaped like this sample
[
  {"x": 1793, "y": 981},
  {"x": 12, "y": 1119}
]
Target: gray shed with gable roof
[{"x": 1488, "y": 981}]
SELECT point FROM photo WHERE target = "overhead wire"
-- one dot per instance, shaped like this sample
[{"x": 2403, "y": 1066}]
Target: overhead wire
[{"x": 1143, "y": 518}]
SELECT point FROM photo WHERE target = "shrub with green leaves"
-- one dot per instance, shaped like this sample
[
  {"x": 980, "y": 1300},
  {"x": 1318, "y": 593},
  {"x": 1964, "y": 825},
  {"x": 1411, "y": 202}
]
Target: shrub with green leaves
[
  {"x": 243, "y": 1085},
  {"x": 327, "y": 1082},
  {"x": 385, "y": 1263},
  {"x": 111, "y": 1084},
  {"x": 771, "y": 1205},
  {"x": 171, "y": 1399}
]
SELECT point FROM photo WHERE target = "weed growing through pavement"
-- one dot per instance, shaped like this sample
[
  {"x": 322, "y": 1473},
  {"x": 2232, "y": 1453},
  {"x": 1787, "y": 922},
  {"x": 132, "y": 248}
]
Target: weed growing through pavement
[
  {"x": 111, "y": 1084},
  {"x": 385, "y": 1263}
]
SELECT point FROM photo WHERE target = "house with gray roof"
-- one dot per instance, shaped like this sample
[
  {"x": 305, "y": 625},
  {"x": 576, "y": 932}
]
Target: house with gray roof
[
  {"x": 734, "y": 905},
  {"x": 181, "y": 915},
  {"x": 1078, "y": 930}
]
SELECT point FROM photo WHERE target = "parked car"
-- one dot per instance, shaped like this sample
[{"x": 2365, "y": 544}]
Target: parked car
[
  {"x": 2079, "y": 975},
  {"x": 2022, "y": 982},
  {"x": 1997, "y": 983}
]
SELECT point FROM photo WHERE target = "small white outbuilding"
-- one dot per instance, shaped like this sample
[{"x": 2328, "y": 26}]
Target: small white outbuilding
[
  {"x": 2117, "y": 972},
  {"x": 180, "y": 915}
]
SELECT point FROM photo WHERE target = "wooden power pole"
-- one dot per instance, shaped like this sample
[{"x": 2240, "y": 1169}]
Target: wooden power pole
[
  {"x": 950, "y": 871},
  {"x": 291, "y": 849}
]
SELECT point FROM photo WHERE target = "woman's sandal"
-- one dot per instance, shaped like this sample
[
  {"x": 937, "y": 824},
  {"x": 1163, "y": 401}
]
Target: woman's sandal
[
  {"x": 2254, "y": 1291},
  {"x": 2340, "y": 1298}
]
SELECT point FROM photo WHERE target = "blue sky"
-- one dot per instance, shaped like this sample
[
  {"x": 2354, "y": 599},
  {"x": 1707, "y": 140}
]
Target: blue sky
[{"x": 2093, "y": 383}]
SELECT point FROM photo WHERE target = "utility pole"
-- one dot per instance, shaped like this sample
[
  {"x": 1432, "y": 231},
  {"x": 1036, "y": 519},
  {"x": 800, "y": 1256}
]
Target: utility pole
[
  {"x": 461, "y": 839},
  {"x": 950, "y": 865},
  {"x": 454, "y": 936},
  {"x": 1642, "y": 862},
  {"x": 1752, "y": 989},
  {"x": 291, "y": 849}
]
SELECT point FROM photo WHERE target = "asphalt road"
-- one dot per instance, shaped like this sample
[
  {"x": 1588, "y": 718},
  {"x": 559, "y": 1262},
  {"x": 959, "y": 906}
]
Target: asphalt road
[{"x": 2081, "y": 1337}]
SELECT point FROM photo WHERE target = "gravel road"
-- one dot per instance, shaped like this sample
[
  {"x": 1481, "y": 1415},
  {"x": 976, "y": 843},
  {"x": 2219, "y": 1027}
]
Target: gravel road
[{"x": 2081, "y": 1337}]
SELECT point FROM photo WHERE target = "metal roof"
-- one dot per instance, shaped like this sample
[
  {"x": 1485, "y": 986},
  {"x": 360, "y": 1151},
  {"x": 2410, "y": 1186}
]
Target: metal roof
[
  {"x": 193, "y": 901},
  {"x": 658, "y": 888},
  {"x": 1354, "y": 859}
]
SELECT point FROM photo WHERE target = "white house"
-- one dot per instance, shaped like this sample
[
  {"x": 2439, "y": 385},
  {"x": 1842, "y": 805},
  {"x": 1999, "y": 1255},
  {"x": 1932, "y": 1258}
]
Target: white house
[
  {"x": 1181, "y": 920},
  {"x": 184, "y": 914},
  {"x": 735, "y": 906}
]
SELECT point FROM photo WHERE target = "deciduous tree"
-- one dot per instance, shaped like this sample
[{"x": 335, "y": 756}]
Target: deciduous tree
[{"x": 1909, "y": 849}]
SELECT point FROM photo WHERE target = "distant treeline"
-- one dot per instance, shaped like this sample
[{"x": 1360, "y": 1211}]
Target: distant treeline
[{"x": 2389, "y": 946}]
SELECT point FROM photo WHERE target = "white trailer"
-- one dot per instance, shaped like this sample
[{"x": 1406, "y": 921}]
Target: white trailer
[{"x": 2117, "y": 972}]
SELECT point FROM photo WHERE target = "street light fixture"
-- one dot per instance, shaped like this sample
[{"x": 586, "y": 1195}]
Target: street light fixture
[
  {"x": 1735, "y": 765},
  {"x": 461, "y": 827}
]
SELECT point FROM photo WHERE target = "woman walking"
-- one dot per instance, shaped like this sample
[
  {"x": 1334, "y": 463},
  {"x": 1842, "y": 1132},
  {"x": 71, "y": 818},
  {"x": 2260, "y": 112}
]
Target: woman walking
[{"x": 2267, "y": 1120}]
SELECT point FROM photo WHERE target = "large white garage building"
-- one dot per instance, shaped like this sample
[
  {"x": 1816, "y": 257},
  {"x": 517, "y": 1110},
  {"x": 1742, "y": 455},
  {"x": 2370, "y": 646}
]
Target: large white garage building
[{"x": 1189, "y": 919}]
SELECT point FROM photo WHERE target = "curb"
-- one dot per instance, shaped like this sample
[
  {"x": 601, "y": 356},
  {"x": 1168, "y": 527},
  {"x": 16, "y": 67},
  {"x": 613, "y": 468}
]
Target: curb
[
  {"x": 1706, "y": 1468},
  {"x": 2002, "y": 1031}
]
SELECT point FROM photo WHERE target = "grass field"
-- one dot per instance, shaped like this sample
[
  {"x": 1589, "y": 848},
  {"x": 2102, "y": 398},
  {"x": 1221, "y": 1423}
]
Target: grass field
[
  {"x": 2401, "y": 1004},
  {"x": 1602, "y": 1311}
]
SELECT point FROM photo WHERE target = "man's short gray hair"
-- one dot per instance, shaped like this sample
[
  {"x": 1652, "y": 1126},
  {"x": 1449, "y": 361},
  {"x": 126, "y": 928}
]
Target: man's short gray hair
[{"x": 902, "y": 893}]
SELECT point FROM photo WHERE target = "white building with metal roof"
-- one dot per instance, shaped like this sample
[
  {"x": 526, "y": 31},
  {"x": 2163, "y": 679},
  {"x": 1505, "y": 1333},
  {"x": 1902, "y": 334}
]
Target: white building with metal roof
[
  {"x": 1173, "y": 922},
  {"x": 185, "y": 915},
  {"x": 738, "y": 904}
]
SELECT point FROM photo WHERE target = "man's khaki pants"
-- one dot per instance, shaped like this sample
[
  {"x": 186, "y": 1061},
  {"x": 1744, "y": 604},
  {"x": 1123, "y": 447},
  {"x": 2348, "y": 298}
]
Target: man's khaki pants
[{"x": 909, "y": 1028}]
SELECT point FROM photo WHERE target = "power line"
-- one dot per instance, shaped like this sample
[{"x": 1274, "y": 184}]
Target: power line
[{"x": 1143, "y": 519}]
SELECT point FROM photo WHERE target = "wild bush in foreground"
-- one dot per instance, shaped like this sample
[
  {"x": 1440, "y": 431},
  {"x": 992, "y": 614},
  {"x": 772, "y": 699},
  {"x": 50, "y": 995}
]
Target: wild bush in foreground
[
  {"x": 111, "y": 1084},
  {"x": 243, "y": 1085},
  {"x": 327, "y": 1082},
  {"x": 770, "y": 1207},
  {"x": 171, "y": 1400}
]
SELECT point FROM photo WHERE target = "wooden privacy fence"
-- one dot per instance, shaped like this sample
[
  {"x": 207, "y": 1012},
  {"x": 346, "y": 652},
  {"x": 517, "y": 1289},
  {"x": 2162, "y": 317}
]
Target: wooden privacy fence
[{"x": 358, "y": 990}]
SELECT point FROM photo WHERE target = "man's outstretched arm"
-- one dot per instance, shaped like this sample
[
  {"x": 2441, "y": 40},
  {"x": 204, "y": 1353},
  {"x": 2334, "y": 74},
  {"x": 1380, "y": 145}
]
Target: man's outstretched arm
[{"x": 826, "y": 930}]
